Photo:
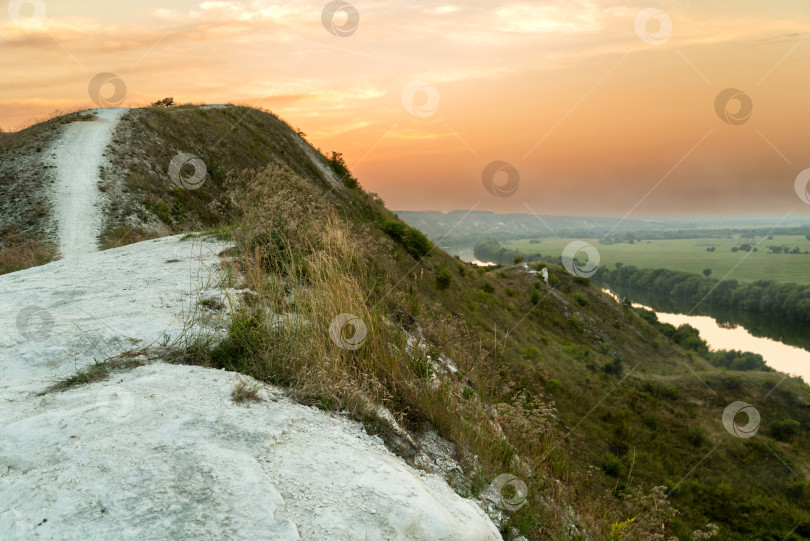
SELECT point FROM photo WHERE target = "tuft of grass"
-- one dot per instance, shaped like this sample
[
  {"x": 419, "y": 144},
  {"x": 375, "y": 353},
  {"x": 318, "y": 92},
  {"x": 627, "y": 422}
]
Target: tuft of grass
[
  {"x": 246, "y": 391},
  {"x": 98, "y": 371}
]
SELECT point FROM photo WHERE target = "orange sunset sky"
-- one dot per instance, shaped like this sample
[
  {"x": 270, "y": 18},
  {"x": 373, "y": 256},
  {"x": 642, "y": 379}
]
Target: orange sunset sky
[{"x": 601, "y": 107}]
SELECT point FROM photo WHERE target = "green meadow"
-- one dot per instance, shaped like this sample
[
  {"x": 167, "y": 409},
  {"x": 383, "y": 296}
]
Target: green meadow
[{"x": 691, "y": 255}]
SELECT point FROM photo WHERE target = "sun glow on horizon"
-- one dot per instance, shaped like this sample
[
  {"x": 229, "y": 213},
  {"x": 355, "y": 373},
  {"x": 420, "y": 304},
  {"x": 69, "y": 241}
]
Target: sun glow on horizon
[{"x": 597, "y": 116}]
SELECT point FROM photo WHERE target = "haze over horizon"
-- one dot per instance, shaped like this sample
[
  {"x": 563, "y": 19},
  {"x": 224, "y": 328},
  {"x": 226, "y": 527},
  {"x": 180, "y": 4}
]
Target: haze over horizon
[
  {"x": 794, "y": 215},
  {"x": 595, "y": 107}
]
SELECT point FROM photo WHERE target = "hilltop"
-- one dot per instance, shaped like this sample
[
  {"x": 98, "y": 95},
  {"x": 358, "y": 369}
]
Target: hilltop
[{"x": 602, "y": 424}]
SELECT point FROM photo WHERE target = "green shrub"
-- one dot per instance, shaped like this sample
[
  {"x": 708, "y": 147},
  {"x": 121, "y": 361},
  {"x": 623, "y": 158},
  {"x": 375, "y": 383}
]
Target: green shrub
[
  {"x": 577, "y": 351},
  {"x": 413, "y": 240},
  {"x": 531, "y": 352},
  {"x": 732, "y": 382},
  {"x": 615, "y": 367},
  {"x": 795, "y": 489},
  {"x": 611, "y": 465},
  {"x": 416, "y": 243},
  {"x": 785, "y": 429},
  {"x": 695, "y": 436},
  {"x": 581, "y": 299},
  {"x": 338, "y": 165},
  {"x": 444, "y": 279},
  {"x": 669, "y": 392},
  {"x": 535, "y": 297},
  {"x": 488, "y": 288},
  {"x": 394, "y": 229}
]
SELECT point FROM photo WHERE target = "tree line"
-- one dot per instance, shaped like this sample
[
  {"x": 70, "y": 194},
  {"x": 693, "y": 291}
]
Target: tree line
[
  {"x": 494, "y": 251},
  {"x": 784, "y": 300}
]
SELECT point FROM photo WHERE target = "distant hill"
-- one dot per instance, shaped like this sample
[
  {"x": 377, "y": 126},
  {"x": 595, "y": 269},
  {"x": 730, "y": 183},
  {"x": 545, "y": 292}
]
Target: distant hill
[{"x": 467, "y": 228}]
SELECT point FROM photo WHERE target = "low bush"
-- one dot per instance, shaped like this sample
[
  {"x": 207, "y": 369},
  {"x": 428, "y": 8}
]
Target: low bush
[
  {"x": 785, "y": 429},
  {"x": 611, "y": 465},
  {"x": 413, "y": 240},
  {"x": 444, "y": 279}
]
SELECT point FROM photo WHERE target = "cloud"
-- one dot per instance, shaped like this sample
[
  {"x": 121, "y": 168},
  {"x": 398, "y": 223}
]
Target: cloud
[
  {"x": 568, "y": 17},
  {"x": 442, "y": 10}
]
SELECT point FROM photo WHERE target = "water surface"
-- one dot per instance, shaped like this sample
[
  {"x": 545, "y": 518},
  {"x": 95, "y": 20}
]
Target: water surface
[{"x": 779, "y": 356}]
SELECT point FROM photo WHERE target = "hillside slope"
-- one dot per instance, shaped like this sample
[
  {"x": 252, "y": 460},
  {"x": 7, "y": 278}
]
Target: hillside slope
[
  {"x": 162, "y": 451},
  {"x": 565, "y": 413}
]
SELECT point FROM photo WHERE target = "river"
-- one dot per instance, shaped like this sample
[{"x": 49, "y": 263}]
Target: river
[{"x": 779, "y": 356}]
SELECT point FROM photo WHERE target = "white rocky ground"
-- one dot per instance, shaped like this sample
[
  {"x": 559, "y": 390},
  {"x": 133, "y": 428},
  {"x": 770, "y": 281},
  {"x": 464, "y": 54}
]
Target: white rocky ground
[
  {"x": 162, "y": 452},
  {"x": 77, "y": 155}
]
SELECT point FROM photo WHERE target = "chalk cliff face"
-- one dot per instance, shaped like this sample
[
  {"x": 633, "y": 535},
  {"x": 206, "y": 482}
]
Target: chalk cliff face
[{"x": 162, "y": 451}]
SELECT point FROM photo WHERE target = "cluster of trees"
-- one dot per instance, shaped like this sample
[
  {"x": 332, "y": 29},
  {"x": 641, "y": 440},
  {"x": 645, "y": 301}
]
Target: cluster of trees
[
  {"x": 617, "y": 238},
  {"x": 745, "y": 247},
  {"x": 492, "y": 250},
  {"x": 738, "y": 360},
  {"x": 787, "y": 301},
  {"x": 689, "y": 339},
  {"x": 785, "y": 250}
]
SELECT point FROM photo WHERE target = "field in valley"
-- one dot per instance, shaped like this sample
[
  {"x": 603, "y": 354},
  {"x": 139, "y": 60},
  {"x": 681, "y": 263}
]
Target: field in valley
[{"x": 691, "y": 255}]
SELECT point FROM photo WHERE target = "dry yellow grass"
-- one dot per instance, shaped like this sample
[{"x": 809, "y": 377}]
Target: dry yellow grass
[
  {"x": 122, "y": 236},
  {"x": 306, "y": 266},
  {"x": 18, "y": 252}
]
